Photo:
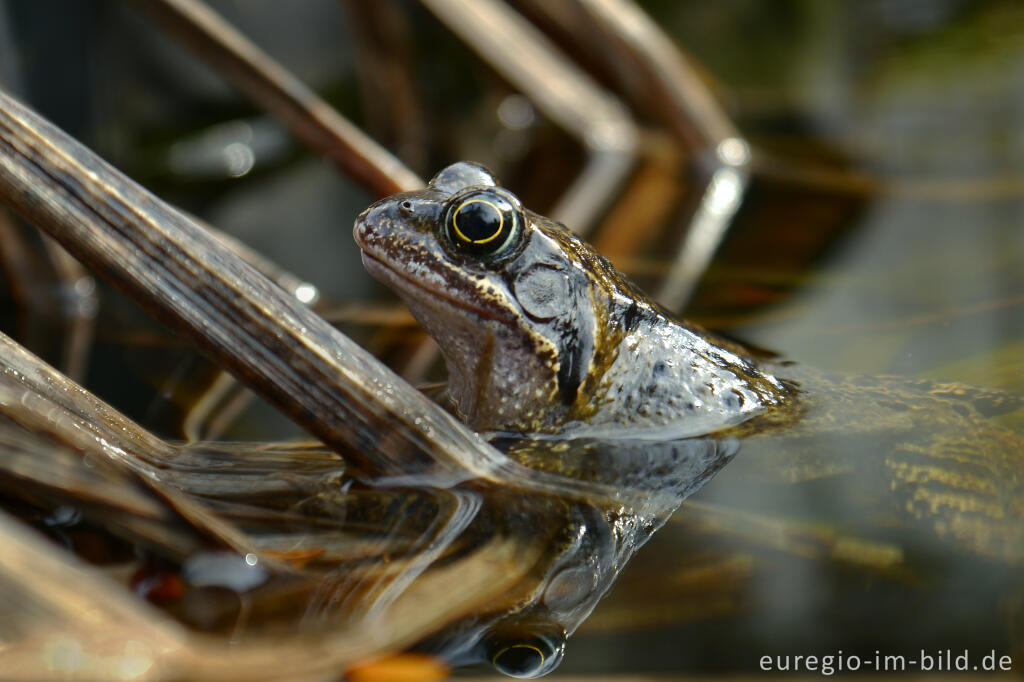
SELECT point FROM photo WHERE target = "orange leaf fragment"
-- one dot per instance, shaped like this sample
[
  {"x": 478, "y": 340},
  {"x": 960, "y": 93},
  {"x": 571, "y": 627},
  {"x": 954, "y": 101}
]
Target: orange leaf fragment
[{"x": 406, "y": 667}]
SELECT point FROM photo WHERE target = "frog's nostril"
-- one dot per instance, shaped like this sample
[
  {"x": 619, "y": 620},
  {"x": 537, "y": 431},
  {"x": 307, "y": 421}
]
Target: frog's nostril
[{"x": 406, "y": 206}]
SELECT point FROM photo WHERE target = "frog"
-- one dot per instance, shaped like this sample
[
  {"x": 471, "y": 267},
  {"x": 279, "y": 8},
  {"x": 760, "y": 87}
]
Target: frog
[{"x": 539, "y": 332}]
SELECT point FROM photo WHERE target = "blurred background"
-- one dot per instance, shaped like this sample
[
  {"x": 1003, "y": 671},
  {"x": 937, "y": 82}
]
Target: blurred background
[{"x": 882, "y": 233}]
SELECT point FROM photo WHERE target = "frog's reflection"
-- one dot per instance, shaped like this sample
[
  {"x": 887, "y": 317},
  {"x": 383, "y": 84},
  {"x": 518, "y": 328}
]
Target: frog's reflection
[
  {"x": 381, "y": 541},
  {"x": 582, "y": 544},
  {"x": 585, "y": 545}
]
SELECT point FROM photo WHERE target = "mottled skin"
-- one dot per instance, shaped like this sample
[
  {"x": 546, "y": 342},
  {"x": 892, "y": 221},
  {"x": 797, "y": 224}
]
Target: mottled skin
[{"x": 547, "y": 337}]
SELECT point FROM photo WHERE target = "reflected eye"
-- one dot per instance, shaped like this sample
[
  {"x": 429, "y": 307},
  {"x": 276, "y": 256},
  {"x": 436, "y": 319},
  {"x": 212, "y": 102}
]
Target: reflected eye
[
  {"x": 527, "y": 657},
  {"x": 482, "y": 222}
]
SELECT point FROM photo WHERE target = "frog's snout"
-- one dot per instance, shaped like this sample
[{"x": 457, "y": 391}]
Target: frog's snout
[
  {"x": 396, "y": 218},
  {"x": 371, "y": 224}
]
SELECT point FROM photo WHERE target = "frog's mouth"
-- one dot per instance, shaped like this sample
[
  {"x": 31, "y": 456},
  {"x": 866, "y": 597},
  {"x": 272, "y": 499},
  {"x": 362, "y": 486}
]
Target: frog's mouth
[{"x": 383, "y": 272}]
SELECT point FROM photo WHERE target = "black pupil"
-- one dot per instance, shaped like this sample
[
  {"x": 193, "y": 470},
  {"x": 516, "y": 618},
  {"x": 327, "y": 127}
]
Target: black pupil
[
  {"x": 478, "y": 221},
  {"x": 519, "y": 660}
]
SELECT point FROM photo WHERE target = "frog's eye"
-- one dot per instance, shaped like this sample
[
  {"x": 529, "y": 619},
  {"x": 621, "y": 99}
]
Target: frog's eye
[
  {"x": 526, "y": 657},
  {"x": 482, "y": 222}
]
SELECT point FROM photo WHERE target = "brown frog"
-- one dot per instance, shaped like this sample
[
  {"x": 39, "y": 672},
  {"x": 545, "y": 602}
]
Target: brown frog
[{"x": 540, "y": 333}]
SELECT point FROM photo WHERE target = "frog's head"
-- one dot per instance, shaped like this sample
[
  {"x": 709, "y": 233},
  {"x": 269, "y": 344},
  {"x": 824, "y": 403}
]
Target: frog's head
[{"x": 523, "y": 310}]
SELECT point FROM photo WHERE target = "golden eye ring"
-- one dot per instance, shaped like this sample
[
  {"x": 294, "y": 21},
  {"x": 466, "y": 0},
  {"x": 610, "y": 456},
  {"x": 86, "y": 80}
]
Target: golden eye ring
[{"x": 482, "y": 222}]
